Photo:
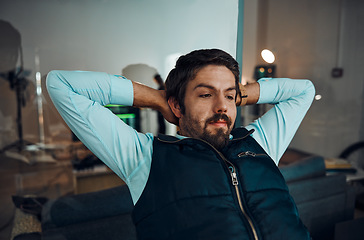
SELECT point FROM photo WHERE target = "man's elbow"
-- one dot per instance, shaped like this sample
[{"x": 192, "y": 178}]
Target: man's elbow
[
  {"x": 310, "y": 90},
  {"x": 52, "y": 81}
]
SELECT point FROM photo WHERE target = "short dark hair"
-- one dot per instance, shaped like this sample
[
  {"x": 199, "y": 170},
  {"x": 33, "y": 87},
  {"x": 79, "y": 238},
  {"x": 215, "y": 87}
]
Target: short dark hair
[{"x": 187, "y": 67}]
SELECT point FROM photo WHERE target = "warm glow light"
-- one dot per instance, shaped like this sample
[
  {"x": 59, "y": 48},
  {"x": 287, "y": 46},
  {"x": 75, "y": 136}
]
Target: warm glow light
[
  {"x": 318, "y": 97},
  {"x": 268, "y": 56}
]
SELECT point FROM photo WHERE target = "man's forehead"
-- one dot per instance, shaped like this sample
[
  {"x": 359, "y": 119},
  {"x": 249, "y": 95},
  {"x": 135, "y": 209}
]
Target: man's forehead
[
  {"x": 214, "y": 72},
  {"x": 214, "y": 83}
]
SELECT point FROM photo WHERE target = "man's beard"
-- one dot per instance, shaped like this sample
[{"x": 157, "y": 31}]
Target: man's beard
[{"x": 219, "y": 139}]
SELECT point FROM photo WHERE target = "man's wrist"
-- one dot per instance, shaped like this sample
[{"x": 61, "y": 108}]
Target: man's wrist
[{"x": 243, "y": 95}]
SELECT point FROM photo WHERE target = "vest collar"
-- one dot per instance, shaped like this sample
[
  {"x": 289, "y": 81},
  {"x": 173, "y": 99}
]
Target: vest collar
[{"x": 237, "y": 133}]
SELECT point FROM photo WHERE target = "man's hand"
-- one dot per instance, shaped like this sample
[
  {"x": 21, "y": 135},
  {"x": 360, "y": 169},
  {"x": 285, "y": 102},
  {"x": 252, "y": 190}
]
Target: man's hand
[
  {"x": 147, "y": 97},
  {"x": 166, "y": 110}
]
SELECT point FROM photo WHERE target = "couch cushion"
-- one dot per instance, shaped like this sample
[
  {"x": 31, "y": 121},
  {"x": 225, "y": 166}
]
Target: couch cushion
[
  {"x": 321, "y": 215},
  {"x": 306, "y": 168},
  {"x": 317, "y": 188},
  {"x": 86, "y": 207},
  {"x": 119, "y": 227}
]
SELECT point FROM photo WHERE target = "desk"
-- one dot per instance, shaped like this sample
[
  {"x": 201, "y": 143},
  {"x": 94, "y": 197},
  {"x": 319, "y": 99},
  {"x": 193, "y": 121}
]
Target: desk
[
  {"x": 95, "y": 179},
  {"x": 51, "y": 180}
]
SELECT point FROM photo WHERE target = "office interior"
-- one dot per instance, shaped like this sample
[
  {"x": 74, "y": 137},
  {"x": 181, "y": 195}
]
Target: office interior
[{"x": 316, "y": 40}]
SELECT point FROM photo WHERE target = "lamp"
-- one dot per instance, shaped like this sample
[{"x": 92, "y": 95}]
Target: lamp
[{"x": 266, "y": 71}]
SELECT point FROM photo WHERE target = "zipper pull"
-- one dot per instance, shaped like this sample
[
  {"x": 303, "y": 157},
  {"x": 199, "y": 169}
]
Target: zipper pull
[
  {"x": 234, "y": 178},
  {"x": 247, "y": 153}
]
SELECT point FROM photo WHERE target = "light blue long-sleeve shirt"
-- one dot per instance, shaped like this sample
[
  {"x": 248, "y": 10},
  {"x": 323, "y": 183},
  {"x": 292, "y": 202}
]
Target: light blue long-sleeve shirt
[{"x": 80, "y": 96}]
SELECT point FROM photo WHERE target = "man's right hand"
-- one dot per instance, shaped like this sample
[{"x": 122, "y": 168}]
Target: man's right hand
[
  {"x": 166, "y": 110},
  {"x": 148, "y": 97}
]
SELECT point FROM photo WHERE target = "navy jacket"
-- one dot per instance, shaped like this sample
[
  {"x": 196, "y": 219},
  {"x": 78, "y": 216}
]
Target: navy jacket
[{"x": 196, "y": 192}]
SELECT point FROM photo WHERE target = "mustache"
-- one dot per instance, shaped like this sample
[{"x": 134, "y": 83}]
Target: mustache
[{"x": 216, "y": 117}]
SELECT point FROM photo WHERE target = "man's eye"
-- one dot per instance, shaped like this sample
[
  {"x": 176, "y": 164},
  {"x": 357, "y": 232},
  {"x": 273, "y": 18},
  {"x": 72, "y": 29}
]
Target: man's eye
[
  {"x": 205, "y": 95},
  {"x": 230, "y": 97}
]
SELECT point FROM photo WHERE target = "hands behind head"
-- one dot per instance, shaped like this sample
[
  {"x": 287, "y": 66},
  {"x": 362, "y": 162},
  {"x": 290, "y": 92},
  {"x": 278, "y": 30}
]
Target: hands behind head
[{"x": 167, "y": 112}]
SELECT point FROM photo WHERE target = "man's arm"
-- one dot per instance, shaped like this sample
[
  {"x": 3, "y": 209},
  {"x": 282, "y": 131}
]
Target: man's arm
[
  {"x": 80, "y": 98},
  {"x": 147, "y": 97},
  {"x": 276, "y": 128}
]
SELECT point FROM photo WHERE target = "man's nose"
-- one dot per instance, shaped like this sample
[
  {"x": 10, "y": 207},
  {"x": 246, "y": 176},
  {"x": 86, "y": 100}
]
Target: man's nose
[{"x": 220, "y": 104}]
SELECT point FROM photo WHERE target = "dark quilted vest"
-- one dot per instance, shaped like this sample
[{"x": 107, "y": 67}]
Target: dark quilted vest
[{"x": 193, "y": 193}]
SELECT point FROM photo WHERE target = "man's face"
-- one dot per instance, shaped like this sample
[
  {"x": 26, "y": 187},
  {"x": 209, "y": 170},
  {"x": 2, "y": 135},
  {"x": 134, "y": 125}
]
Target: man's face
[{"x": 210, "y": 109}]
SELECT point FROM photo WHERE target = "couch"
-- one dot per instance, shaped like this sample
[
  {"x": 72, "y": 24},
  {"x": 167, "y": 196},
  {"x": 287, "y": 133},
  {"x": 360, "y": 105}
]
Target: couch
[{"x": 322, "y": 201}]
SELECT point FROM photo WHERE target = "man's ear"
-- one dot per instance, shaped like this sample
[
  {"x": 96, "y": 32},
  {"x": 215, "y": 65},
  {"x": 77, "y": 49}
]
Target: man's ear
[{"x": 175, "y": 107}]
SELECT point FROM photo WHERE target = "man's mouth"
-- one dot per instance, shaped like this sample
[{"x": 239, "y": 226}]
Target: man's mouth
[
  {"x": 219, "y": 123},
  {"x": 219, "y": 120}
]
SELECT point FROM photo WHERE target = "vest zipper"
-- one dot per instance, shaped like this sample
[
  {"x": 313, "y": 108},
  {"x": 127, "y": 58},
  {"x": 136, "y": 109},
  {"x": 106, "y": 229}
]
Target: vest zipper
[
  {"x": 234, "y": 179},
  {"x": 252, "y": 154},
  {"x": 235, "y": 182}
]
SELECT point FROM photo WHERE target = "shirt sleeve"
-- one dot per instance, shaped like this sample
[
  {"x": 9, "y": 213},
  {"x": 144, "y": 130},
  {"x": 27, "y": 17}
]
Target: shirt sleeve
[
  {"x": 276, "y": 128},
  {"x": 80, "y": 98}
]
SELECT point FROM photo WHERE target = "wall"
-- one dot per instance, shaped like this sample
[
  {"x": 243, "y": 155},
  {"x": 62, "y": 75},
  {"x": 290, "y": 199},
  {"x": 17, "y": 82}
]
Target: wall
[
  {"x": 107, "y": 35},
  {"x": 309, "y": 39}
]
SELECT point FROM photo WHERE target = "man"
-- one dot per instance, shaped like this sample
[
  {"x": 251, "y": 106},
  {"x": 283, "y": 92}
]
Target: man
[{"x": 209, "y": 182}]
